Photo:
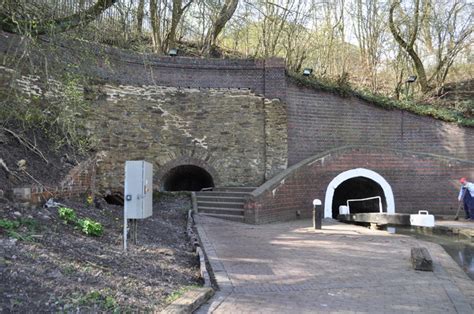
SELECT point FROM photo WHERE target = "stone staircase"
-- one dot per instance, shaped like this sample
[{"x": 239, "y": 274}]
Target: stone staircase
[{"x": 223, "y": 202}]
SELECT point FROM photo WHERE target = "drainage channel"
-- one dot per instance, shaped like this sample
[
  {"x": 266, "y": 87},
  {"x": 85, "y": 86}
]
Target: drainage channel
[{"x": 459, "y": 248}]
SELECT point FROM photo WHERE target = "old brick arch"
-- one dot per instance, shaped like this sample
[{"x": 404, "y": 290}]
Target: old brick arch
[
  {"x": 356, "y": 173},
  {"x": 186, "y": 166}
]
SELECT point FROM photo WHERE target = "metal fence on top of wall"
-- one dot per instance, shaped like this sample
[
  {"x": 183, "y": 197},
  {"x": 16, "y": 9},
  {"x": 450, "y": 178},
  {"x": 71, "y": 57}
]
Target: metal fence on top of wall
[{"x": 116, "y": 25}]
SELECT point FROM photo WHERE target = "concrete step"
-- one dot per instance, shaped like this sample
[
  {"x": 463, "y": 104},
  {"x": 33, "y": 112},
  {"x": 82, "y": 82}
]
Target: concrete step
[
  {"x": 205, "y": 198},
  {"x": 223, "y": 194},
  {"x": 237, "y": 205},
  {"x": 234, "y": 188},
  {"x": 224, "y": 202},
  {"x": 221, "y": 211},
  {"x": 226, "y": 217}
]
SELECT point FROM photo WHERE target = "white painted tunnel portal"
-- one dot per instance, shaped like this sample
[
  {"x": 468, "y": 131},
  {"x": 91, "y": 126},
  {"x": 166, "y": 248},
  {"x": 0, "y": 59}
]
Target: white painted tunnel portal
[{"x": 358, "y": 173}]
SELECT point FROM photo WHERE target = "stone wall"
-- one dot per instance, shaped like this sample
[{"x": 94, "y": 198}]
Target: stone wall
[
  {"x": 276, "y": 136},
  {"x": 419, "y": 182},
  {"x": 238, "y": 137},
  {"x": 319, "y": 121}
]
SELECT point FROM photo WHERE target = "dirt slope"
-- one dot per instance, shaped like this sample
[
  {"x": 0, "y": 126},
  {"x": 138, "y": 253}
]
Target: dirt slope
[{"x": 49, "y": 266}]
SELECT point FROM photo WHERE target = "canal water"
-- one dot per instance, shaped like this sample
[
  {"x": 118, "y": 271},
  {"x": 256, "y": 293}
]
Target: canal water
[{"x": 459, "y": 248}]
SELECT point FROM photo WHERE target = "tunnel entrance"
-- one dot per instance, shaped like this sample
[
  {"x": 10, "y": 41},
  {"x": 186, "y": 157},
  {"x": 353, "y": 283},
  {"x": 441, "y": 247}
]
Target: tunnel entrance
[
  {"x": 187, "y": 178},
  {"x": 358, "y": 188},
  {"x": 358, "y": 183}
]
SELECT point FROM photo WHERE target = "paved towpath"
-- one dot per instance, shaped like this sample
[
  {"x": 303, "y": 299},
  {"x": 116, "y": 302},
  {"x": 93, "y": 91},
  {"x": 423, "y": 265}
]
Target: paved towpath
[{"x": 291, "y": 268}]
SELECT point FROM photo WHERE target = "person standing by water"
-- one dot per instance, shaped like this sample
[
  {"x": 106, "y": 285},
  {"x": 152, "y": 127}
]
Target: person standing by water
[{"x": 466, "y": 195}]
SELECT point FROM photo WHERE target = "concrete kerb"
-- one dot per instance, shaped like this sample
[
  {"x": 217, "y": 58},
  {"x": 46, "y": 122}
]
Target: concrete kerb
[
  {"x": 195, "y": 297},
  {"x": 189, "y": 301},
  {"x": 218, "y": 275}
]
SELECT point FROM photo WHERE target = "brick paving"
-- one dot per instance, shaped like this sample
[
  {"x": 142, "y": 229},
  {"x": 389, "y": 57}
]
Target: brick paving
[{"x": 291, "y": 268}]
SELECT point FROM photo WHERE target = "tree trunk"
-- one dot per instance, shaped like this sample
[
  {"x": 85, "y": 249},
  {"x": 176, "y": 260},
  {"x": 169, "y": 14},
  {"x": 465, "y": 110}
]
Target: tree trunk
[
  {"x": 225, "y": 14},
  {"x": 409, "y": 46},
  {"x": 176, "y": 15},
  {"x": 155, "y": 27},
  {"x": 140, "y": 15}
]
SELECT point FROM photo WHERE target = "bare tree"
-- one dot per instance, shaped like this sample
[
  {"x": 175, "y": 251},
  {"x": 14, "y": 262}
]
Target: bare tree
[
  {"x": 164, "y": 27},
  {"x": 451, "y": 38},
  {"x": 369, "y": 29},
  {"x": 225, "y": 14},
  {"x": 140, "y": 15},
  {"x": 19, "y": 17},
  {"x": 155, "y": 26},
  {"x": 177, "y": 13}
]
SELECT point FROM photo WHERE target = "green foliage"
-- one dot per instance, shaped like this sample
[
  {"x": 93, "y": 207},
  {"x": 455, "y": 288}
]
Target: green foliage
[
  {"x": 102, "y": 299},
  {"x": 67, "y": 214},
  {"x": 9, "y": 224},
  {"x": 461, "y": 115},
  {"x": 173, "y": 296},
  {"x": 61, "y": 116},
  {"x": 22, "y": 229},
  {"x": 87, "y": 225},
  {"x": 90, "y": 227},
  {"x": 466, "y": 107}
]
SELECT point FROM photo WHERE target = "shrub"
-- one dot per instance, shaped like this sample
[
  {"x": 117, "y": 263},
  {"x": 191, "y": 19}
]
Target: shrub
[
  {"x": 87, "y": 225},
  {"x": 67, "y": 214},
  {"x": 90, "y": 227}
]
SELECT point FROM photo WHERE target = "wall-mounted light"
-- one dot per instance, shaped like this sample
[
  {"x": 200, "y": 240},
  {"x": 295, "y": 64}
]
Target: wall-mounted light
[
  {"x": 173, "y": 52},
  {"x": 411, "y": 79},
  {"x": 307, "y": 72}
]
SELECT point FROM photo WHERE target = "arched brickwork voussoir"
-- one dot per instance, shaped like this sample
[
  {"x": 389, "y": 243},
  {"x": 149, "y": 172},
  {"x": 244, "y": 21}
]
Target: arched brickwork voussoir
[
  {"x": 185, "y": 161},
  {"x": 419, "y": 181}
]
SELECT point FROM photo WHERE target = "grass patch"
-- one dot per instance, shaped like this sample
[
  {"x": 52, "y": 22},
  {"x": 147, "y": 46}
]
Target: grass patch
[
  {"x": 22, "y": 229},
  {"x": 99, "y": 299},
  {"x": 175, "y": 295},
  {"x": 343, "y": 89}
]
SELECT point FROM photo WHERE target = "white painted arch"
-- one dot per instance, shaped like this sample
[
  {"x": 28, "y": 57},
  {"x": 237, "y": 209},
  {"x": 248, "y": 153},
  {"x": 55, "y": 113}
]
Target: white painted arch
[{"x": 353, "y": 173}]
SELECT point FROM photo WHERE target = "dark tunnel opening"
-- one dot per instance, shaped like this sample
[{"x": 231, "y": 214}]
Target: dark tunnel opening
[
  {"x": 357, "y": 188},
  {"x": 187, "y": 178}
]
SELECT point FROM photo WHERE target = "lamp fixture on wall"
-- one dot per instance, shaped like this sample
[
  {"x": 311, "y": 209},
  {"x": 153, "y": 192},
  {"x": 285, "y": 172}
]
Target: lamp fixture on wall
[
  {"x": 307, "y": 72},
  {"x": 411, "y": 79},
  {"x": 173, "y": 52}
]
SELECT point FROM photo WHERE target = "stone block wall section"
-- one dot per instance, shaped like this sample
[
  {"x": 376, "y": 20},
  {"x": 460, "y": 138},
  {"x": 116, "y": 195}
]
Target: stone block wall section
[
  {"x": 419, "y": 181},
  {"x": 319, "y": 121},
  {"x": 237, "y": 137}
]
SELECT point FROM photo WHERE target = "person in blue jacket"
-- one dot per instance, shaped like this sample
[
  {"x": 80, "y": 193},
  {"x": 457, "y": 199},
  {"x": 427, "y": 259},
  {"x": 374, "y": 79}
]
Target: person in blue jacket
[{"x": 466, "y": 195}]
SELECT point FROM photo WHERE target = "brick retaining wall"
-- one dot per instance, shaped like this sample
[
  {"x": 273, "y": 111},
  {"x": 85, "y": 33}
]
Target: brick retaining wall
[
  {"x": 419, "y": 182},
  {"x": 80, "y": 182},
  {"x": 319, "y": 121}
]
